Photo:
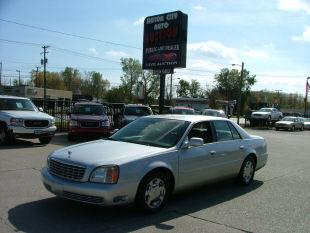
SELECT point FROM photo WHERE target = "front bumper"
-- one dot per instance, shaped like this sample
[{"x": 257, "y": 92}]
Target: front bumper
[
  {"x": 283, "y": 126},
  {"x": 103, "y": 131},
  {"x": 22, "y": 132},
  {"x": 93, "y": 193}
]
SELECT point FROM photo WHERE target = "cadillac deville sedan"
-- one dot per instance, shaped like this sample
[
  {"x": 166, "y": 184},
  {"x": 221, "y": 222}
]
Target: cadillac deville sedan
[{"x": 153, "y": 157}]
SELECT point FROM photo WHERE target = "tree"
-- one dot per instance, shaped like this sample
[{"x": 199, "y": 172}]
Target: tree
[
  {"x": 151, "y": 86},
  {"x": 227, "y": 83},
  {"x": 195, "y": 89},
  {"x": 94, "y": 84},
  {"x": 132, "y": 70},
  {"x": 117, "y": 94},
  {"x": 184, "y": 88},
  {"x": 71, "y": 78}
]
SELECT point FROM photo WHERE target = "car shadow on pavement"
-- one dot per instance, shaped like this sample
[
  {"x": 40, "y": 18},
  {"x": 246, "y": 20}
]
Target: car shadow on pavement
[
  {"x": 20, "y": 143},
  {"x": 59, "y": 215}
]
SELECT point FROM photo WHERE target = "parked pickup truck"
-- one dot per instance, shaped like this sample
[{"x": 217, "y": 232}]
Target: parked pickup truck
[{"x": 19, "y": 118}]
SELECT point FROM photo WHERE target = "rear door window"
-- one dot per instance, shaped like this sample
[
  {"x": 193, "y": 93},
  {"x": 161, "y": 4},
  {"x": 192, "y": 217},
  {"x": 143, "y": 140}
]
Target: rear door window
[{"x": 222, "y": 131}]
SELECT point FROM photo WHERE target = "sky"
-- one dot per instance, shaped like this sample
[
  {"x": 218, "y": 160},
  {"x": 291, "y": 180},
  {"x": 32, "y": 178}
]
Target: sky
[{"x": 271, "y": 37}]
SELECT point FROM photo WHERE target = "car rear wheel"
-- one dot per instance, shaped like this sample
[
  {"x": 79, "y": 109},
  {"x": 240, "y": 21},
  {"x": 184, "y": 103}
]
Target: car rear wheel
[
  {"x": 293, "y": 128},
  {"x": 247, "y": 171},
  {"x": 5, "y": 138},
  {"x": 153, "y": 192},
  {"x": 45, "y": 140}
]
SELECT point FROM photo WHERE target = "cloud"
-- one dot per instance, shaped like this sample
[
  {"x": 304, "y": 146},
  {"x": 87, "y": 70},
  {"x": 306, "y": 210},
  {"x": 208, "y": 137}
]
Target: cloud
[
  {"x": 219, "y": 52},
  {"x": 93, "y": 50},
  {"x": 305, "y": 37},
  {"x": 140, "y": 21},
  {"x": 294, "y": 5},
  {"x": 199, "y": 8},
  {"x": 116, "y": 54}
]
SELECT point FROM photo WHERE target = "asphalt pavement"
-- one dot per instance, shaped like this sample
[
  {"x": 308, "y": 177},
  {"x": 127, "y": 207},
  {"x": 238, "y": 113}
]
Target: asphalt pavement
[{"x": 277, "y": 201}]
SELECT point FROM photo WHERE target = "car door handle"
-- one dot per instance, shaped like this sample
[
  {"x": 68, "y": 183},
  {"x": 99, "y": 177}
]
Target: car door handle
[
  {"x": 241, "y": 147},
  {"x": 212, "y": 152}
]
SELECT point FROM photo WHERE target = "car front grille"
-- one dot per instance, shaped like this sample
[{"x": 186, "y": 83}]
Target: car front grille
[
  {"x": 257, "y": 115},
  {"x": 36, "y": 123},
  {"x": 83, "y": 198},
  {"x": 67, "y": 171},
  {"x": 90, "y": 124}
]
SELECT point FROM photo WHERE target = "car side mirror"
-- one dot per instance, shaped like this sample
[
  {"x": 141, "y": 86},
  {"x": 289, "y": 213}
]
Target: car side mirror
[
  {"x": 114, "y": 131},
  {"x": 194, "y": 142},
  {"x": 40, "y": 109}
]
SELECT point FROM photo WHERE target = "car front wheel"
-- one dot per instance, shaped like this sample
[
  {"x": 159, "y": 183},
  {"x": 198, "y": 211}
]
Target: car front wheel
[
  {"x": 5, "y": 137},
  {"x": 153, "y": 192},
  {"x": 247, "y": 171},
  {"x": 45, "y": 140}
]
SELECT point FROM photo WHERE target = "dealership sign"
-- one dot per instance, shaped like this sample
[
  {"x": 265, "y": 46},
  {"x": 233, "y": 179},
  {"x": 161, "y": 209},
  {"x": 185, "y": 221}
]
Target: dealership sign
[{"x": 164, "y": 41}]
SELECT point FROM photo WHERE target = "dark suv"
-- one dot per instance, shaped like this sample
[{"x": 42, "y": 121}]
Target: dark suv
[
  {"x": 133, "y": 111},
  {"x": 88, "y": 119}
]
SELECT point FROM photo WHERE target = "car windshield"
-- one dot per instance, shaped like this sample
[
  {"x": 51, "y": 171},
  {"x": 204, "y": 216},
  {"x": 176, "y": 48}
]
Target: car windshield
[
  {"x": 265, "y": 110},
  {"x": 16, "y": 104},
  {"x": 183, "y": 111},
  {"x": 152, "y": 132},
  {"x": 137, "y": 111},
  {"x": 288, "y": 119},
  {"x": 82, "y": 109}
]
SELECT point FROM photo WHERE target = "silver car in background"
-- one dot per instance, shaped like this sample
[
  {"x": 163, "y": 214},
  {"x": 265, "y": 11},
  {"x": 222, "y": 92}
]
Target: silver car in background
[
  {"x": 290, "y": 123},
  {"x": 269, "y": 114},
  {"x": 153, "y": 157},
  {"x": 306, "y": 122}
]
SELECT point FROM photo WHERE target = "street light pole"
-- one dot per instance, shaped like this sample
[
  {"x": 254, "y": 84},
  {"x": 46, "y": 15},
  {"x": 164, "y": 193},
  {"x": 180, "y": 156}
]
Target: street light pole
[
  {"x": 306, "y": 96},
  {"x": 240, "y": 91}
]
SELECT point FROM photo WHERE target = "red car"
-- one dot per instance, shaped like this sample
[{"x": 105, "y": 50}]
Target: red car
[{"x": 88, "y": 119}]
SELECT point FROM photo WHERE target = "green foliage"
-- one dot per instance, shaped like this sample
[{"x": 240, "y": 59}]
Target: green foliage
[
  {"x": 183, "y": 88},
  {"x": 118, "y": 94},
  {"x": 189, "y": 89},
  {"x": 151, "y": 85}
]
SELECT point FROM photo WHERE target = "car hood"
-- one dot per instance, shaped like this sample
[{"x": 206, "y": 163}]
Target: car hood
[
  {"x": 105, "y": 152},
  {"x": 89, "y": 117},
  {"x": 284, "y": 122},
  {"x": 262, "y": 113},
  {"x": 27, "y": 114}
]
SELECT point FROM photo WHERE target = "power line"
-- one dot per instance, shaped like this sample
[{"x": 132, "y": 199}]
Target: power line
[
  {"x": 68, "y": 51},
  {"x": 69, "y": 34}
]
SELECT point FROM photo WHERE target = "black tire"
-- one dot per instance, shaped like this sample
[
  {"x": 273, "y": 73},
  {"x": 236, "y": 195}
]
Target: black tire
[
  {"x": 302, "y": 128},
  {"x": 247, "y": 171},
  {"x": 293, "y": 128},
  {"x": 277, "y": 129},
  {"x": 45, "y": 140},
  {"x": 70, "y": 137},
  {"x": 162, "y": 191},
  {"x": 269, "y": 119},
  {"x": 5, "y": 137}
]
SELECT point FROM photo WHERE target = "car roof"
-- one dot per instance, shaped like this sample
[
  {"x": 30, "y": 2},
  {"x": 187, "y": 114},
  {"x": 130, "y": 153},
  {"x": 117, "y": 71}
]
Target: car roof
[
  {"x": 191, "y": 118},
  {"x": 181, "y": 107},
  {"x": 136, "y": 105},
  {"x": 12, "y": 97},
  {"x": 87, "y": 103}
]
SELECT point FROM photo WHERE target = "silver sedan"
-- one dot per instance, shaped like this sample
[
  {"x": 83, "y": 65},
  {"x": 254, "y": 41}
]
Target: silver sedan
[{"x": 153, "y": 157}]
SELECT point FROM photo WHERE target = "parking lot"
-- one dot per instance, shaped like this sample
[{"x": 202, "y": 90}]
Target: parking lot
[{"x": 277, "y": 201}]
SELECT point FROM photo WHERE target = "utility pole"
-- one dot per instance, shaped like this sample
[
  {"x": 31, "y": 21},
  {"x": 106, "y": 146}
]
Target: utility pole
[
  {"x": 278, "y": 97},
  {"x": 162, "y": 93},
  {"x": 45, "y": 47},
  {"x": 18, "y": 77},
  {"x": 0, "y": 73},
  {"x": 171, "y": 89},
  {"x": 131, "y": 84},
  {"x": 36, "y": 82}
]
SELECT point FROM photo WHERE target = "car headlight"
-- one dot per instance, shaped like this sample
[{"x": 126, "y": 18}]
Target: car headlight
[
  {"x": 52, "y": 122},
  {"x": 105, "y": 123},
  {"x": 48, "y": 160},
  {"x": 73, "y": 123},
  {"x": 16, "y": 122},
  {"x": 105, "y": 174}
]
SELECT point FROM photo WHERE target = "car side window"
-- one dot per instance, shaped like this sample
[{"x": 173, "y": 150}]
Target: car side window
[
  {"x": 234, "y": 131},
  {"x": 222, "y": 130},
  {"x": 202, "y": 130}
]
